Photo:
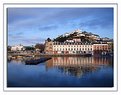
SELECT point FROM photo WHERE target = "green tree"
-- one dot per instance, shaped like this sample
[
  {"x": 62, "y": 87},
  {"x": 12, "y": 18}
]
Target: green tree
[
  {"x": 48, "y": 39},
  {"x": 8, "y": 48},
  {"x": 40, "y": 46},
  {"x": 29, "y": 48}
]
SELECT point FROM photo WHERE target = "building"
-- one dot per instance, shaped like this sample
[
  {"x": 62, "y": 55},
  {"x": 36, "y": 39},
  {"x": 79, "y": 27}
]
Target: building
[
  {"x": 75, "y": 48},
  {"x": 77, "y": 42},
  {"x": 103, "y": 47},
  {"x": 95, "y": 37},
  {"x": 71, "y": 48},
  {"x": 100, "y": 48},
  {"x": 105, "y": 39},
  {"x": 17, "y": 48},
  {"x": 76, "y": 39},
  {"x": 48, "y": 47}
]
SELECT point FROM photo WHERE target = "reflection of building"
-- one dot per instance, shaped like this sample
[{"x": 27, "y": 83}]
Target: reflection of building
[
  {"x": 17, "y": 48},
  {"x": 77, "y": 65},
  {"x": 77, "y": 61}
]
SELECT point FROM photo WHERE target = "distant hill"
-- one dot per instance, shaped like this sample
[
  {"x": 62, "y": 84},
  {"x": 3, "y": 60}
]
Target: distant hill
[{"x": 77, "y": 34}]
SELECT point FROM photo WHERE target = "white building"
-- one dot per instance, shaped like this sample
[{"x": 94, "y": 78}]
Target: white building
[
  {"x": 72, "y": 48},
  {"x": 96, "y": 37},
  {"x": 75, "y": 44},
  {"x": 17, "y": 48}
]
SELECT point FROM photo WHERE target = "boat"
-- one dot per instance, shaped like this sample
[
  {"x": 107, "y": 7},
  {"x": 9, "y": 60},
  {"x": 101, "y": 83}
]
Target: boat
[{"x": 36, "y": 61}]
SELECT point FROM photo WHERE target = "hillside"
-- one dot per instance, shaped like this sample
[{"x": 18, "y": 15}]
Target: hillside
[{"x": 83, "y": 36}]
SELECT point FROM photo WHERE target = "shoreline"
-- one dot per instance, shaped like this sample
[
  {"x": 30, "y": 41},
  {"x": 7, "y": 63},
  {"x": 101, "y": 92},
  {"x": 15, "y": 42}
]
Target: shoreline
[{"x": 56, "y": 55}]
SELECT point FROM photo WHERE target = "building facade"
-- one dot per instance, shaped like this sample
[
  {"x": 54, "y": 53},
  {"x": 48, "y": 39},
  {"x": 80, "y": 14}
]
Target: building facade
[
  {"x": 78, "y": 42},
  {"x": 48, "y": 47},
  {"x": 17, "y": 48},
  {"x": 71, "y": 48},
  {"x": 75, "y": 48},
  {"x": 100, "y": 48}
]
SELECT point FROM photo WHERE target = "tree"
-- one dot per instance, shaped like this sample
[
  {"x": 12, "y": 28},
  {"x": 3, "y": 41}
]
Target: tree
[
  {"x": 40, "y": 46},
  {"x": 48, "y": 39},
  {"x": 8, "y": 48},
  {"x": 29, "y": 48}
]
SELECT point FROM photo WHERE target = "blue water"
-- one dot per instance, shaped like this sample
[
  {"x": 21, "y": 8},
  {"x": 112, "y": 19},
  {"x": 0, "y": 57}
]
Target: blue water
[{"x": 62, "y": 72}]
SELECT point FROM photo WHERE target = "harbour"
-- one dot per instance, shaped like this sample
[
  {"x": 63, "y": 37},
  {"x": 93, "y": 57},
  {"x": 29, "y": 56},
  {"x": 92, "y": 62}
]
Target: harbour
[
  {"x": 60, "y": 47},
  {"x": 62, "y": 72}
]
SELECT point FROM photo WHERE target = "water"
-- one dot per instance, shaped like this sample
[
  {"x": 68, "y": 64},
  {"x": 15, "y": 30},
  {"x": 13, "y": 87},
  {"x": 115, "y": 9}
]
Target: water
[{"x": 62, "y": 72}]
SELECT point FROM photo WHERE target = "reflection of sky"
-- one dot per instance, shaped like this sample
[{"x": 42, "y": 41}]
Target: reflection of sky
[{"x": 33, "y": 25}]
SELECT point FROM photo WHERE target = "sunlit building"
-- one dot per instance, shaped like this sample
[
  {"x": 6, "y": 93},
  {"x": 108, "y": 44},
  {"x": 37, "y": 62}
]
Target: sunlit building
[
  {"x": 74, "y": 48},
  {"x": 17, "y": 48},
  {"x": 100, "y": 48},
  {"x": 77, "y": 42},
  {"x": 48, "y": 47}
]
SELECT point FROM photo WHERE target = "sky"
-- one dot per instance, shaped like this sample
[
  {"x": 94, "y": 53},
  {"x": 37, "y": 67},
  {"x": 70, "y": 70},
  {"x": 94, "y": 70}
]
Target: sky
[{"x": 28, "y": 26}]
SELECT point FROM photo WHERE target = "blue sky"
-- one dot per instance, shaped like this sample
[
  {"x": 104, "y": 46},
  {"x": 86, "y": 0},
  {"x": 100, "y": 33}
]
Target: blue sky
[{"x": 29, "y": 26}]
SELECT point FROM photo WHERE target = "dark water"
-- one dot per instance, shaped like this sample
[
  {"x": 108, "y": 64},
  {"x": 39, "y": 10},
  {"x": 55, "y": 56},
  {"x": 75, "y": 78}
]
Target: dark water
[{"x": 62, "y": 72}]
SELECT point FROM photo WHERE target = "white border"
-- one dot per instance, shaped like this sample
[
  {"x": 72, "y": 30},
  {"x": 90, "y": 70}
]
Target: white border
[{"x": 115, "y": 88}]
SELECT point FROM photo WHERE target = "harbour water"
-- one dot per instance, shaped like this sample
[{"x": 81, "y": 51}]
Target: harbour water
[{"x": 62, "y": 72}]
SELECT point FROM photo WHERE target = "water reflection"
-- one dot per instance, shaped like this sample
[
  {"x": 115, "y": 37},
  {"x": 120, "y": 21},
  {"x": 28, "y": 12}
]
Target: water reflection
[
  {"x": 17, "y": 61},
  {"x": 62, "y": 72},
  {"x": 77, "y": 66}
]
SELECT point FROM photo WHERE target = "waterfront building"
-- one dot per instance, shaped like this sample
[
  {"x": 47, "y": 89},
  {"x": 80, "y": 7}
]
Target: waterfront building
[
  {"x": 48, "y": 47},
  {"x": 77, "y": 42},
  {"x": 17, "y": 48},
  {"x": 103, "y": 47},
  {"x": 100, "y": 48},
  {"x": 71, "y": 48},
  {"x": 53, "y": 47}
]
